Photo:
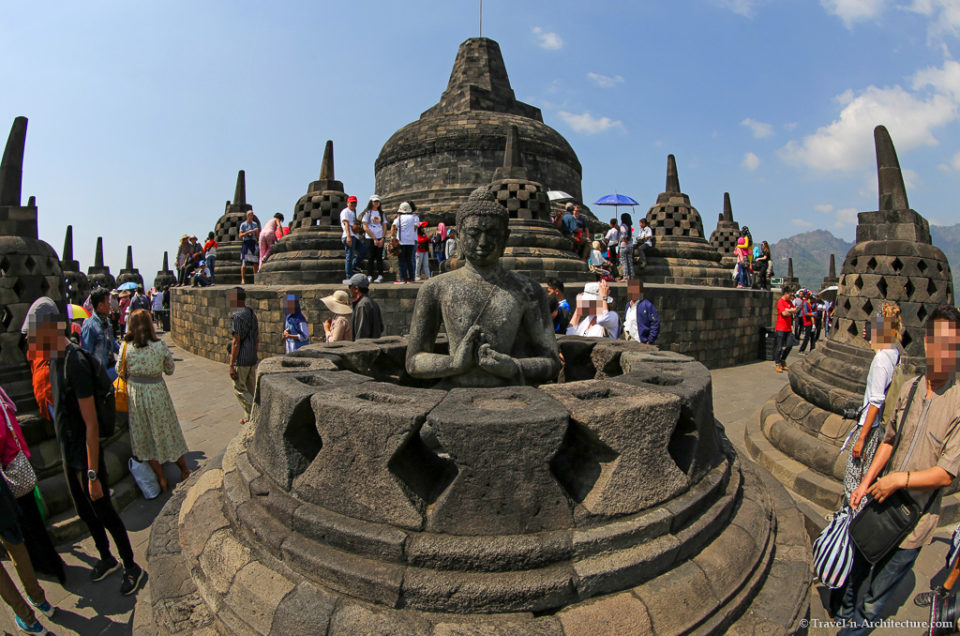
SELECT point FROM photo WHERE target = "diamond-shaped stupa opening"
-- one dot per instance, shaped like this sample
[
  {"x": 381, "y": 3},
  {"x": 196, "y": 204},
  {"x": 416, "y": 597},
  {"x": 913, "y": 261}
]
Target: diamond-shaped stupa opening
[
  {"x": 580, "y": 461},
  {"x": 922, "y": 266},
  {"x": 882, "y": 286},
  {"x": 909, "y": 288},
  {"x": 421, "y": 470},
  {"x": 897, "y": 264}
]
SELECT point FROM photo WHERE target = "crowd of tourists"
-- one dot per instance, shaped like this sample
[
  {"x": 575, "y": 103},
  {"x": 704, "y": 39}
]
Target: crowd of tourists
[{"x": 800, "y": 314}]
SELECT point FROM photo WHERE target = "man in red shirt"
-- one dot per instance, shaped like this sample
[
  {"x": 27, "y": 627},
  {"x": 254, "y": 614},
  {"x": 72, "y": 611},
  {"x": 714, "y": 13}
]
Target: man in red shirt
[{"x": 785, "y": 312}]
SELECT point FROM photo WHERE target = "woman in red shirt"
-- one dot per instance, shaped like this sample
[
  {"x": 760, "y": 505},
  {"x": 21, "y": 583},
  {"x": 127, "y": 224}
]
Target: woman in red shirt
[
  {"x": 423, "y": 253},
  {"x": 210, "y": 256}
]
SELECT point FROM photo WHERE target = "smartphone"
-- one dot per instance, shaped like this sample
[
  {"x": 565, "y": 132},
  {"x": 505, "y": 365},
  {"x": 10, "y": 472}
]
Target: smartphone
[{"x": 867, "y": 331}]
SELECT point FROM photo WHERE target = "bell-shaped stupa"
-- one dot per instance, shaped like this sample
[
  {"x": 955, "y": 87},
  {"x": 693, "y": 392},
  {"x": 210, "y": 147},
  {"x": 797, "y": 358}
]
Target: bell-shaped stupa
[
  {"x": 801, "y": 430},
  {"x": 165, "y": 277},
  {"x": 680, "y": 255},
  {"x": 76, "y": 285},
  {"x": 227, "y": 235},
  {"x": 312, "y": 252},
  {"x": 130, "y": 274},
  {"x": 99, "y": 274},
  {"x": 536, "y": 247},
  {"x": 831, "y": 278},
  {"x": 456, "y": 145},
  {"x": 724, "y": 238}
]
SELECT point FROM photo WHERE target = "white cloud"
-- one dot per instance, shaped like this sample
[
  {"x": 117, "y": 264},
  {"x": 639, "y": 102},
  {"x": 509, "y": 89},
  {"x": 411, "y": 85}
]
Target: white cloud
[
  {"x": 605, "y": 81},
  {"x": 823, "y": 207},
  {"x": 790, "y": 125},
  {"x": 944, "y": 17},
  {"x": 548, "y": 39},
  {"x": 911, "y": 116},
  {"x": 846, "y": 217},
  {"x": 746, "y": 8},
  {"x": 750, "y": 161},
  {"x": 953, "y": 165},
  {"x": 759, "y": 129},
  {"x": 801, "y": 223},
  {"x": 852, "y": 11},
  {"x": 588, "y": 124}
]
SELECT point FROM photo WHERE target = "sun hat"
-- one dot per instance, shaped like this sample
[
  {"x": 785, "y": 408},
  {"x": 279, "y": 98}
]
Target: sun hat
[
  {"x": 374, "y": 197},
  {"x": 338, "y": 302},
  {"x": 591, "y": 291},
  {"x": 202, "y": 263},
  {"x": 351, "y": 199},
  {"x": 405, "y": 208},
  {"x": 359, "y": 280},
  {"x": 596, "y": 245}
]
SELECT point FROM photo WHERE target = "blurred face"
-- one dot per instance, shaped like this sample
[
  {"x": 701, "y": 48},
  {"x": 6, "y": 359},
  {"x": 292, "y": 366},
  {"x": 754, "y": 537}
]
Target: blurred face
[
  {"x": 47, "y": 337},
  {"x": 483, "y": 239},
  {"x": 588, "y": 306},
  {"x": 249, "y": 216},
  {"x": 352, "y": 205},
  {"x": 941, "y": 348},
  {"x": 291, "y": 306},
  {"x": 883, "y": 334},
  {"x": 374, "y": 205},
  {"x": 635, "y": 289}
]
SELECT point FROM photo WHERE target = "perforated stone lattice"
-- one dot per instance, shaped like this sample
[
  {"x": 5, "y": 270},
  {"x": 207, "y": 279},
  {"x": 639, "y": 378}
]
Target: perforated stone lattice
[
  {"x": 319, "y": 209},
  {"x": 675, "y": 220},
  {"x": 523, "y": 200},
  {"x": 228, "y": 227}
]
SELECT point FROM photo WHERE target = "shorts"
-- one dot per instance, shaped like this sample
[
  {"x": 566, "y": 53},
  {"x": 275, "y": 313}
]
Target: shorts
[{"x": 248, "y": 252}]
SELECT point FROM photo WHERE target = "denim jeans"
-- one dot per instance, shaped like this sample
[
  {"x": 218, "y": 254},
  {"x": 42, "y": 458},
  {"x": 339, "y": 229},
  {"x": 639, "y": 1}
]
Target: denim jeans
[
  {"x": 807, "y": 338},
  {"x": 212, "y": 264},
  {"x": 406, "y": 261},
  {"x": 877, "y": 584},
  {"x": 354, "y": 252},
  {"x": 782, "y": 348},
  {"x": 422, "y": 267},
  {"x": 626, "y": 261}
]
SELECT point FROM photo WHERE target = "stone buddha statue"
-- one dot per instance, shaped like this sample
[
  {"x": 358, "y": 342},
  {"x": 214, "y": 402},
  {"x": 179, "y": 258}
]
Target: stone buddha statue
[{"x": 497, "y": 322}]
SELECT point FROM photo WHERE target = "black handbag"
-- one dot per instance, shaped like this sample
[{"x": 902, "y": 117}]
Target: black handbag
[{"x": 882, "y": 525}]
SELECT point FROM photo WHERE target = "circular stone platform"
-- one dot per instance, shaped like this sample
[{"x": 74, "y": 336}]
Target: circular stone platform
[{"x": 360, "y": 500}]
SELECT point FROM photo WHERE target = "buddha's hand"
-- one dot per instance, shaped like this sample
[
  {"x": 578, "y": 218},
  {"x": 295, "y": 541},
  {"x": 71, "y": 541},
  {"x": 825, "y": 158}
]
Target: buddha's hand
[
  {"x": 465, "y": 355},
  {"x": 496, "y": 363}
]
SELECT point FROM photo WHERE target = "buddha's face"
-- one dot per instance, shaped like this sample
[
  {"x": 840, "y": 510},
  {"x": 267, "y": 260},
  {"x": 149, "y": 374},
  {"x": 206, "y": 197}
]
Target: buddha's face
[{"x": 483, "y": 239}]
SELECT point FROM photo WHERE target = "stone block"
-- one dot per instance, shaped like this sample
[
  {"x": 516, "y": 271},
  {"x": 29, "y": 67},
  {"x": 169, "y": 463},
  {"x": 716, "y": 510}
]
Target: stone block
[
  {"x": 488, "y": 553},
  {"x": 255, "y": 595},
  {"x": 346, "y": 533},
  {"x": 352, "y": 618},
  {"x": 367, "y": 432},
  {"x": 222, "y": 557},
  {"x": 196, "y": 527},
  {"x": 306, "y": 607},
  {"x": 623, "y": 614},
  {"x": 502, "y": 441},
  {"x": 616, "y": 459}
]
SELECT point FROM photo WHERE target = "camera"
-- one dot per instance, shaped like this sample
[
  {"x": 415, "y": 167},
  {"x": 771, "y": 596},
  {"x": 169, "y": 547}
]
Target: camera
[
  {"x": 851, "y": 413},
  {"x": 944, "y": 612}
]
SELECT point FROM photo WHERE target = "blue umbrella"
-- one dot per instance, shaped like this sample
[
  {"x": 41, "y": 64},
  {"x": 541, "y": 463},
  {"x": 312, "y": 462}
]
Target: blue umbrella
[
  {"x": 615, "y": 199},
  {"x": 128, "y": 286}
]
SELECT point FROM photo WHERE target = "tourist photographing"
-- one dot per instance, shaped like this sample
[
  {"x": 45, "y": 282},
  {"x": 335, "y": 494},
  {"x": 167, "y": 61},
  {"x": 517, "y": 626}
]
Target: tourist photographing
[
  {"x": 641, "y": 322},
  {"x": 249, "y": 233},
  {"x": 155, "y": 434},
  {"x": 374, "y": 228},
  {"x": 243, "y": 349},
  {"x": 78, "y": 382},
  {"x": 366, "y": 321},
  {"x": 593, "y": 317},
  {"x": 296, "y": 331},
  {"x": 921, "y": 445},
  {"x": 404, "y": 229}
]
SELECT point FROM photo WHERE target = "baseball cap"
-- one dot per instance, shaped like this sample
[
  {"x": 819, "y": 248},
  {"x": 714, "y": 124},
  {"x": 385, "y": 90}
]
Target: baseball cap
[
  {"x": 359, "y": 280},
  {"x": 351, "y": 199},
  {"x": 43, "y": 310},
  {"x": 374, "y": 197}
]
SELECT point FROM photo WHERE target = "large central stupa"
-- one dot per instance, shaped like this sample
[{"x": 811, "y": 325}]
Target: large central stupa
[{"x": 457, "y": 144}]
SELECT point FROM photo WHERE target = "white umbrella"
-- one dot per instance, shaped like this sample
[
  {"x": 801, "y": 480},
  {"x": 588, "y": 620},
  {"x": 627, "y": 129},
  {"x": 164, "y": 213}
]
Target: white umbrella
[{"x": 558, "y": 195}]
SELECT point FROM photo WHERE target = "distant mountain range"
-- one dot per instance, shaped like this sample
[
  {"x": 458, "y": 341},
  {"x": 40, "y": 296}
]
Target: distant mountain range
[{"x": 811, "y": 253}]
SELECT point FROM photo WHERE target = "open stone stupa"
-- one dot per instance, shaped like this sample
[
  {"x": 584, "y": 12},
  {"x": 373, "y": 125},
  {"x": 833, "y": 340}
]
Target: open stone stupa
[
  {"x": 801, "y": 430},
  {"x": 99, "y": 274}
]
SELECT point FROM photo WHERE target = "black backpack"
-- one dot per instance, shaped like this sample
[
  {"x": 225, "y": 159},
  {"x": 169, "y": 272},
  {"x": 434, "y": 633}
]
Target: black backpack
[{"x": 103, "y": 396}]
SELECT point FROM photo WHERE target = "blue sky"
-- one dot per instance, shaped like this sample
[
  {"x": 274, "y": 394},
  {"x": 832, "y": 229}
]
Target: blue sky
[{"x": 142, "y": 113}]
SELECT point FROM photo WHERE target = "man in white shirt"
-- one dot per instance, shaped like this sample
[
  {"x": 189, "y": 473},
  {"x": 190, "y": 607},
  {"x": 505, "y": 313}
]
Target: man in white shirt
[
  {"x": 374, "y": 226},
  {"x": 611, "y": 239},
  {"x": 592, "y": 317},
  {"x": 644, "y": 241},
  {"x": 352, "y": 243},
  {"x": 405, "y": 230}
]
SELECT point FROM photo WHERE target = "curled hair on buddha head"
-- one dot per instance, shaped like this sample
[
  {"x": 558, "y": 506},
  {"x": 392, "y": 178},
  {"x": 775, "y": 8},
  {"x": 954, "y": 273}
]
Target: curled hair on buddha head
[{"x": 482, "y": 202}]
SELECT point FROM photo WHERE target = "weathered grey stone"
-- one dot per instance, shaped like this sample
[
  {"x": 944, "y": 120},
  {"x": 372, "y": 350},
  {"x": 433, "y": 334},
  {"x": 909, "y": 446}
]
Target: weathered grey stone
[
  {"x": 623, "y": 614},
  {"x": 256, "y": 594},
  {"x": 346, "y": 533},
  {"x": 350, "y": 619},
  {"x": 616, "y": 460},
  {"x": 489, "y": 433},
  {"x": 307, "y": 606},
  {"x": 376, "y": 422}
]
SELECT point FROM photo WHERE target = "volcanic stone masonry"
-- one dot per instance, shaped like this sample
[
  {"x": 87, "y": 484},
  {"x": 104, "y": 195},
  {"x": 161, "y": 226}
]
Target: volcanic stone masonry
[
  {"x": 457, "y": 144},
  {"x": 227, "y": 235},
  {"x": 680, "y": 255},
  {"x": 801, "y": 430},
  {"x": 99, "y": 274},
  {"x": 130, "y": 274},
  {"x": 831, "y": 278},
  {"x": 29, "y": 269},
  {"x": 724, "y": 238},
  {"x": 165, "y": 277},
  {"x": 76, "y": 285},
  {"x": 313, "y": 251}
]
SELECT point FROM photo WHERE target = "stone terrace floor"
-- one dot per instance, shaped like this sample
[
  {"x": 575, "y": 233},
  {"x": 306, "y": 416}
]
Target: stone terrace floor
[{"x": 210, "y": 417}]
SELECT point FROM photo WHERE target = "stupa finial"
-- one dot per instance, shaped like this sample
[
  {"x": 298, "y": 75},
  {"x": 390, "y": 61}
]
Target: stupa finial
[
  {"x": 166, "y": 262},
  {"x": 326, "y": 166},
  {"x": 68, "y": 246},
  {"x": 240, "y": 192},
  {"x": 11, "y": 166},
  {"x": 893, "y": 194},
  {"x": 727, "y": 208},
  {"x": 129, "y": 257},
  {"x": 98, "y": 259},
  {"x": 833, "y": 266},
  {"x": 32, "y": 202},
  {"x": 512, "y": 163},
  {"x": 790, "y": 267},
  {"x": 673, "y": 179}
]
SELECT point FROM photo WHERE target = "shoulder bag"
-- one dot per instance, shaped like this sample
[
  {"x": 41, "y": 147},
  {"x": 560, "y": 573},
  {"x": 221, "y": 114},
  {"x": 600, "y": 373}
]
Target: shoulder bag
[
  {"x": 882, "y": 525},
  {"x": 18, "y": 473},
  {"x": 120, "y": 384}
]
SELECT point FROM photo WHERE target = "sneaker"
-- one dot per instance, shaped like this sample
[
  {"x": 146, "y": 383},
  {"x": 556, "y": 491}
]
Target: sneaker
[
  {"x": 346, "y": 281},
  {"x": 378, "y": 279},
  {"x": 103, "y": 568},
  {"x": 36, "y": 628},
  {"x": 398, "y": 282},
  {"x": 44, "y": 607},
  {"x": 924, "y": 599},
  {"x": 131, "y": 579}
]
